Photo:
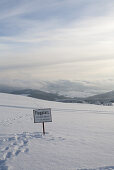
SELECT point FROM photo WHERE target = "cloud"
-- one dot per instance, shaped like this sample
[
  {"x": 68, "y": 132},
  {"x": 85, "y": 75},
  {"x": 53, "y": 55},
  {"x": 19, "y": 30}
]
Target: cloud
[
  {"x": 57, "y": 38},
  {"x": 90, "y": 39}
]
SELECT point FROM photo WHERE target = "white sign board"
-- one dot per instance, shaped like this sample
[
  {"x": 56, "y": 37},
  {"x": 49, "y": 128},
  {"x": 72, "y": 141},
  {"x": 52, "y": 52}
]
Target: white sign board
[{"x": 42, "y": 115}]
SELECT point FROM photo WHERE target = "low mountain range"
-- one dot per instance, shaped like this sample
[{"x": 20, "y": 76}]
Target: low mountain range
[{"x": 104, "y": 98}]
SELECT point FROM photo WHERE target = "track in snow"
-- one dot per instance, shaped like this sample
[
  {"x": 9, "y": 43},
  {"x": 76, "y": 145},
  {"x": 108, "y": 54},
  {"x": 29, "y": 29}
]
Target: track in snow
[{"x": 12, "y": 145}]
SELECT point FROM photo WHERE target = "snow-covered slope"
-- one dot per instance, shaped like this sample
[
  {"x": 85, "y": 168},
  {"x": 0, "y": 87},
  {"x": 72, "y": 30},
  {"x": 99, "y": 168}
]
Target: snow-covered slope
[{"x": 81, "y": 136}]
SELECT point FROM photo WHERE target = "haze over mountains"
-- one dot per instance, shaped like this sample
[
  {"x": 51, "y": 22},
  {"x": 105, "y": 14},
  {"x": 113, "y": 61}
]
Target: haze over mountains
[
  {"x": 73, "y": 89},
  {"x": 54, "y": 86},
  {"x": 64, "y": 91},
  {"x": 61, "y": 87}
]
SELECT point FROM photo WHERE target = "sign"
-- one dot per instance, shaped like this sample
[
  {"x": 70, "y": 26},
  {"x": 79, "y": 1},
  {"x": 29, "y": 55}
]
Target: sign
[{"x": 42, "y": 115}]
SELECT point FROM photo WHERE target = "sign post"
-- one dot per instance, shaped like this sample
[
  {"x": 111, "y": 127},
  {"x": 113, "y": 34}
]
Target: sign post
[
  {"x": 43, "y": 129},
  {"x": 41, "y": 116}
]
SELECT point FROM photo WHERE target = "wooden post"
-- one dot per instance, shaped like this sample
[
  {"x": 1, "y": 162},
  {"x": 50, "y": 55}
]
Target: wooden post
[{"x": 43, "y": 129}]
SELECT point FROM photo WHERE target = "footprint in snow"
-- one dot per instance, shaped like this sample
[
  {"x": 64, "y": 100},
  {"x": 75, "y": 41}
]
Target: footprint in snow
[{"x": 14, "y": 145}]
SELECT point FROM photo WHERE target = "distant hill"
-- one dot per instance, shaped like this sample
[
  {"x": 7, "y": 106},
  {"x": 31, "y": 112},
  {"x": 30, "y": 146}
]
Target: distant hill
[
  {"x": 105, "y": 97},
  {"x": 7, "y": 89},
  {"x": 66, "y": 88},
  {"x": 39, "y": 94}
]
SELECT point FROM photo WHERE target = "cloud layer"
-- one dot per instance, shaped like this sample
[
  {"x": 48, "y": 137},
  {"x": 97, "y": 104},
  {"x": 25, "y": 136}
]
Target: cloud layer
[{"x": 56, "y": 39}]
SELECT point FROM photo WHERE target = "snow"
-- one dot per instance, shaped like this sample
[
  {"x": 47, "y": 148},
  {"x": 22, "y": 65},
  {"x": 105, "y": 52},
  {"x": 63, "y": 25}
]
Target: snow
[
  {"x": 82, "y": 94},
  {"x": 81, "y": 136}
]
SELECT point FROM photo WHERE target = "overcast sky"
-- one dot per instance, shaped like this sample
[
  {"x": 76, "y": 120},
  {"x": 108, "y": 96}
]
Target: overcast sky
[{"x": 56, "y": 39}]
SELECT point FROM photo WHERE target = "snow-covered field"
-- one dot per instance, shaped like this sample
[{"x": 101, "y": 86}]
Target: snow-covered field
[{"x": 81, "y": 136}]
